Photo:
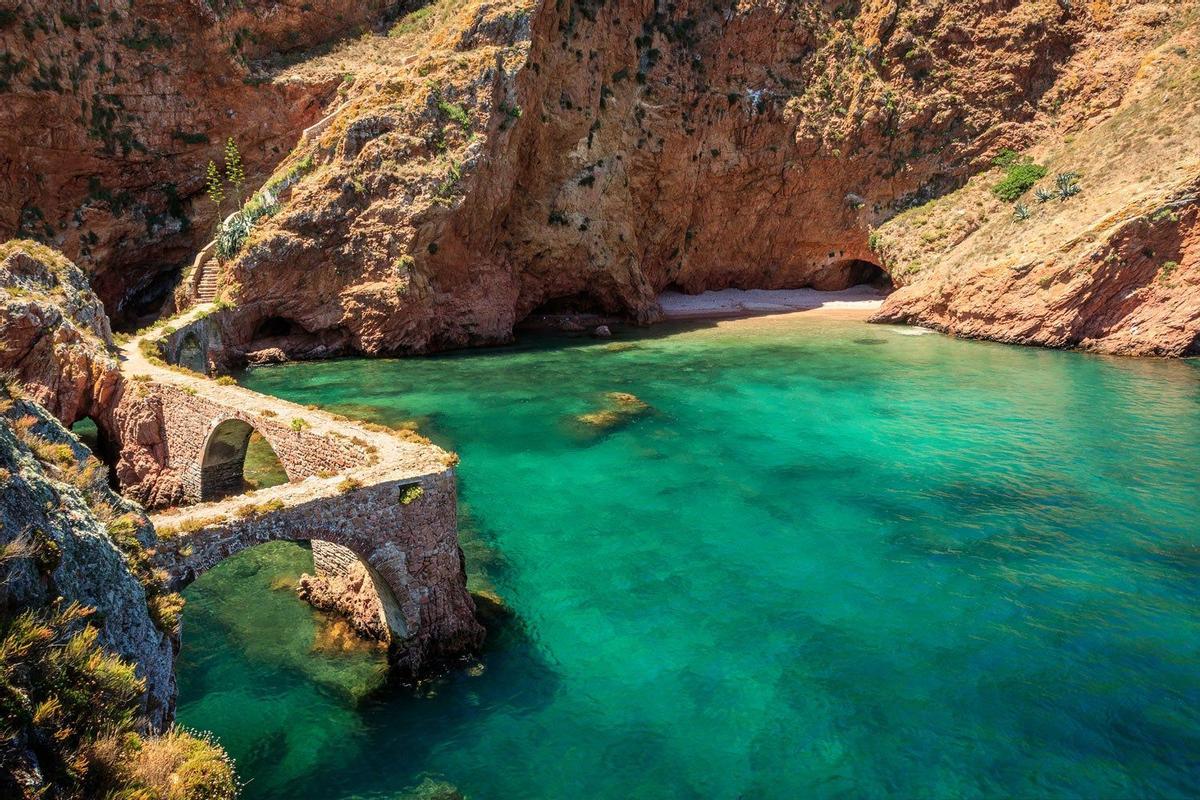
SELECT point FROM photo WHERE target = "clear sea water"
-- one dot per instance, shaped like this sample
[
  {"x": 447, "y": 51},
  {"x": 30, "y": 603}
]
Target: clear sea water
[{"x": 828, "y": 560}]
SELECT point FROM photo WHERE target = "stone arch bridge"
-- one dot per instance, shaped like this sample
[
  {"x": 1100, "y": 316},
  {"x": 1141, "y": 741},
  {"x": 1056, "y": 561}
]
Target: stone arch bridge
[{"x": 379, "y": 507}]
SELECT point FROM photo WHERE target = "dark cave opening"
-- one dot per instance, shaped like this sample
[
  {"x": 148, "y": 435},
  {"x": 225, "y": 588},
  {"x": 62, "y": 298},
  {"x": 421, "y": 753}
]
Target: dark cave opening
[
  {"x": 93, "y": 436},
  {"x": 578, "y": 303},
  {"x": 142, "y": 304},
  {"x": 276, "y": 328},
  {"x": 856, "y": 272}
]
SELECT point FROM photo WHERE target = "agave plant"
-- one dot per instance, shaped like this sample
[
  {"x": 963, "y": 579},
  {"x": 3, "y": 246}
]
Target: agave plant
[
  {"x": 1068, "y": 184},
  {"x": 1021, "y": 212},
  {"x": 232, "y": 234},
  {"x": 1044, "y": 195}
]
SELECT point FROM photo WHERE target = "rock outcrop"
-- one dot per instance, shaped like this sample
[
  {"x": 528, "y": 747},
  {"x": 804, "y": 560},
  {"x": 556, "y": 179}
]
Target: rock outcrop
[
  {"x": 54, "y": 335},
  {"x": 56, "y": 343},
  {"x": 65, "y": 534},
  {"x": 1113, "y": 267}
]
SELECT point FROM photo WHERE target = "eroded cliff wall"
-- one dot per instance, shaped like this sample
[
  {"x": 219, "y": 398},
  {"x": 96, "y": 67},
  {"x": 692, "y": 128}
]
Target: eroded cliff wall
[
  {"x": 478, "y": 161},
  {"x": 497, "y": 158},
  {"x": 110, "y": 110},
  {"x": 1113, "y": 267}
]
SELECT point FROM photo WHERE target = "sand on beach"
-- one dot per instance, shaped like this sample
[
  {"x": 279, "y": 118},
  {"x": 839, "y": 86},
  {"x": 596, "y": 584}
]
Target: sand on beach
[{"x": 862, "y": 299}]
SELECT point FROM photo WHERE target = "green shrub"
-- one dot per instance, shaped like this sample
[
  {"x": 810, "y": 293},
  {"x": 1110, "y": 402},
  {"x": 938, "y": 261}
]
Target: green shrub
[
  {"x": 179, "y": 765},
  {"x": 1020, "y": 174},
  {"x": 418, "y": 20},
  {"x": 456, "y": 113},
  {"x": 61, "y": 690},
  {"x": 165, "y": 610}
]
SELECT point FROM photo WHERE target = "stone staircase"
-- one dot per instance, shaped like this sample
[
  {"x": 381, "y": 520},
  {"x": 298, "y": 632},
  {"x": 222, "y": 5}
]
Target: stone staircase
[{"x": 206, "y": 287}]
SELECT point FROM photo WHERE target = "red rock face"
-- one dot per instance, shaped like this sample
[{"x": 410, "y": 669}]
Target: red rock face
[
  {"x": 54, "y": 336},
  {"x": 492, "y": 159},
  {"x": 1112, "y": 267},
  {"x": 55, "y": 340},
  {"x": 612, "y": 151},
  {"x": 110, "y": 111},
  {"x": 1137, "y": 293},
  {"x": 135, "y": 420}
]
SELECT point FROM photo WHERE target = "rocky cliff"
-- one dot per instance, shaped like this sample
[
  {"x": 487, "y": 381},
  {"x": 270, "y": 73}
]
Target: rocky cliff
[
  {"x": 56, "y": 343},
  {"x": 54, "y": 335},
  {"x": 495, "y": 159},
  {"x": 1112, "y": 265},
  {"x": 110, "y": 110},
  {"x": 69, "y": 538},
  {"x": 88, "y": 633},
  {"x": 471, "y": 162}
]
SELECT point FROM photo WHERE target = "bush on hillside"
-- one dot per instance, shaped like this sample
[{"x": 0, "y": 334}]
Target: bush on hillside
[{"x": 1020, "y": 174}]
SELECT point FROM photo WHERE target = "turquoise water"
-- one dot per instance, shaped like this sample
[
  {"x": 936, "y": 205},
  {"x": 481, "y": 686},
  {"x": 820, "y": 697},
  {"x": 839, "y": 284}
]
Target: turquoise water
[{"x": 826, "y": 560}]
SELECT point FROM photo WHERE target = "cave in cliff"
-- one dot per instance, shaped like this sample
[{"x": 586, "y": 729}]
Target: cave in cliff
[{"x": 858, "y": 272}]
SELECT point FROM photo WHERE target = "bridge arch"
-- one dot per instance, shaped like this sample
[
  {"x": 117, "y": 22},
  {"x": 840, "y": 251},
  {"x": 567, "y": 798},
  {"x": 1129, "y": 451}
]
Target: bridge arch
[
  {"x": 343, "y": 581},
  {"x": 388, "y": 552},
  {"x": 223, "y": 459}
]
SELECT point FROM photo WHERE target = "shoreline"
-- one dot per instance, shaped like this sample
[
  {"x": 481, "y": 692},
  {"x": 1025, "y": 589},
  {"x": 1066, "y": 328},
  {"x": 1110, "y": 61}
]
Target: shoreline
[{"x": 742, "y": 303}]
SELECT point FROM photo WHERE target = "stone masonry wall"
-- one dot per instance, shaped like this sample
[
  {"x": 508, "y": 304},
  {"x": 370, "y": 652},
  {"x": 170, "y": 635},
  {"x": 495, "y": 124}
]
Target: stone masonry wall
[
  {"x": 189, "y": 421},
  {"x": 410, "y": 547},
  {"x": 205, "y": 333}
]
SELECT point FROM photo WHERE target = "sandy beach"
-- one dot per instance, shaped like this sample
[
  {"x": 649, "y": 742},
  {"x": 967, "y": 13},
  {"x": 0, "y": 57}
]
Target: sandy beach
[{"x": 753, "y": 302}]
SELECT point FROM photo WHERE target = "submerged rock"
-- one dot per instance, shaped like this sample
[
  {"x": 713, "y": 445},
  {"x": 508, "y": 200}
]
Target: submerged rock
[
  {"x": 430, "y": 789},
  {"x": 628, "y": 403},
  {"x": 619, "y": 409},
  {"x": 490, "y": 608}
]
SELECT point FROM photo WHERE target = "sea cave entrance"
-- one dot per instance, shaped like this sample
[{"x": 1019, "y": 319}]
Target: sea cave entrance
[
  {"x": 237, "y": 459},
  {"x": 277, "y": 328},
  {"x": 855, "y": 272}
]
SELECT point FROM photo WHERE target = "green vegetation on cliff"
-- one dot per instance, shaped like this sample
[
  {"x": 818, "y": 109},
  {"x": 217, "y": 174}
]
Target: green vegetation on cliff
[
  {"x": 87, "y": 633},
  {"x": 68, "y": 717}
]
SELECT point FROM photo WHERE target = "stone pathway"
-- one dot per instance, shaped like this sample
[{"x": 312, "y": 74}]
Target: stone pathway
[{"x": 387, "y": 456}]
